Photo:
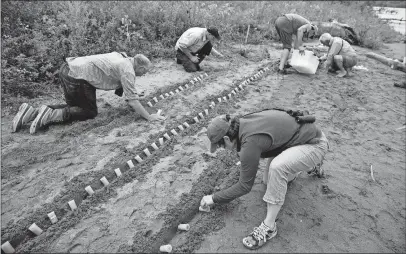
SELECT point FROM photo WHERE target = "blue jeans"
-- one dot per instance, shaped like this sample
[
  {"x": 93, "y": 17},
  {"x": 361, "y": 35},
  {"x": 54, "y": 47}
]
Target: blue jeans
[{"x": 292, "y": 161}]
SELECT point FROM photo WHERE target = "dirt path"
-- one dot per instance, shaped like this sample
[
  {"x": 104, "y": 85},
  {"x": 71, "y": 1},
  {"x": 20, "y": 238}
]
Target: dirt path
[{"x": 345, "y": 212}]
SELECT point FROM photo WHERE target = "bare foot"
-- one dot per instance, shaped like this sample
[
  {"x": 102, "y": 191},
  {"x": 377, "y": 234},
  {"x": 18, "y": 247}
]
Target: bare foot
[{"x": 341, "y": 74}]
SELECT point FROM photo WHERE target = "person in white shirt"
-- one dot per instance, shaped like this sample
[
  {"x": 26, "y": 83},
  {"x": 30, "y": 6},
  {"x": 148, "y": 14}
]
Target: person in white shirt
[
  {"x": 79, "y": 78},
  {"x": 194, "y": 45}
]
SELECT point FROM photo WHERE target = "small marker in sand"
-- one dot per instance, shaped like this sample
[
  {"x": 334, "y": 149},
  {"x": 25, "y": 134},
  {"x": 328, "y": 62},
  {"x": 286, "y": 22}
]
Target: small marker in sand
[
  {"x": 104, "y": 181},
  {"x": 180, "y": 88},
  {"x": 211, "y": 106},
  {"x": 238, "y": 163},
  {"x": 161, "y": 96},
  {"x": 186, "y": 125},
  {"x": 174, "y": 132},
  {"x": 7, "y": 248},
  {"x": 201, "y": 115},
  {"x": 206, "y": 111},
  {"x": 240, "y": 86},
  {"x": 233, "y": 92},
  {"x": 149, "y": 104},
  {"x": 130, "y": 163},
  {"x": 195, "y": 79},
  {"x": 196, "y": 119},
  {"x": 166, "y": 248},
  {"x": 184, "y": 227},
  {"x": 204, "y": 209},
  {"x": 154, "y": 146},
  {"x": 52, "y": 217},
  {"x": 35, "y": 229},
  {"x": 167, "y": 136},
  {"x": 206, "y": 74},
  {"x": 186, "y": 86},
  {"x": 146, "y": 151},
  {"x": 192, "y": 82},
  {"x": 171, "y": 93},
  {"x": 118, "y": 172},
  {"x": 159, "y": 112},
  {"x": 177, "y": 91},
  {"x": 138, "y": 158},
  {"x": 201, "y": 76},
  {"x": 224, "y": 98},
  {"x": 181, "y": 127},
  {"x": 155, "y": 99},
  {"x": 166, "y": 94},
  {"x": 229, "y": 95},
  {"x": 219, "y": 99},
  {"x": 161, "y": 141},
  {"x": 89, "y": 190},
  {"x": 212, "y": 103},
  {"x": 72, "y": 205}
]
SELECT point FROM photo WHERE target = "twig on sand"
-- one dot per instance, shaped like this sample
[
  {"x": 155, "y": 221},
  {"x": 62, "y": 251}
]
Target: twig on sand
[
  {"x": 401, "y": 128},
  {"x": 372, "y": 174}
]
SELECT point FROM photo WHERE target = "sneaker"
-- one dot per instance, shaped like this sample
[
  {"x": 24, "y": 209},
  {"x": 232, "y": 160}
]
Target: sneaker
[
  {"x": 38, "y": 123},
  {"x": 317, "y": 170},
  {"x": 260, "y": 235},
  {"x": 26, "y": 114}
]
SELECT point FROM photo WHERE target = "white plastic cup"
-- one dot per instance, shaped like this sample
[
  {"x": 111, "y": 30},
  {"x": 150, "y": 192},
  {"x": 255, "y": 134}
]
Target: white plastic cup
[
  {"x": 161, "y": 96},
  {"x": 211, "y": 106},
  {"x": 184, "y": 227},
  {"x": 202, "y": 209},
  {"x": 174, "y": 132},
  {"x": 177, "y": 91},
  {"x": 149, "y": 104},
  {"x": 146, "y": 151},
  {"x": 159, "y": 112},
  {"x": 233, "y": 92},
  {"x": 35, "y": 229},
  {"x": 224, "y": 98},
  {"x": 138, "y": 158},
  {"x": 180, "y": 88},
  {"x": 206, "y": 111},
  {"x": 118, "y": 172},
  {"x": 166, "y": 248},
  {"x": 201, "y": 76},
  {"x": 171, "y": 93},
  {"x": 72, "y": 205},
  {"x": 240, "y": 86},
  {"x": 187, "y": 86},
  {"x": 212, "y": 103},
  {"x": 130, "y": 163},
  {"x": 206, "y": 74},
  {"x": 104, "y": 181},
  {"x": 201, "y": 115},
  {"x": 166, "y": 94},
  {"x": 7, "y": 248},
  {"x": 181, "y": 128},
  {"x": 167, "y": 136},
  {"x": 155, "y": 99},
  {"x": 219, "y": 99},
  {"x": 238, "y": 163},
  {"x": 161, "y": 141},
  {"x": 192, "y": 82},
  {"x": 195, "y": 79},
  {"x": 154, "y": 146},
  {"x": 196, "y": 119},
  {"x": 52, "y": 217},
  {"x": 229, "y": 96},
  {"x": 89, "y": 190},
  {"x": 186, "y": 125}
]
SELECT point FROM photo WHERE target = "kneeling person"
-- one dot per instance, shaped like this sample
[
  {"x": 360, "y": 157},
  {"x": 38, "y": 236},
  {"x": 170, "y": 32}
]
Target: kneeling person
[{"x": 79, "y": 78}]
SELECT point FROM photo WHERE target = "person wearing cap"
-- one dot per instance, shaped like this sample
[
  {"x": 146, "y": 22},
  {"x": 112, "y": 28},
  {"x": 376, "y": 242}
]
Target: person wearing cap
[
  {"x": 289, "y": 25},
  {"x": 79, "y": 78},
  {"x": 292, "y": 146},
  {"x": 194, "y": 45},
  {"x": 341, "y": 55}
]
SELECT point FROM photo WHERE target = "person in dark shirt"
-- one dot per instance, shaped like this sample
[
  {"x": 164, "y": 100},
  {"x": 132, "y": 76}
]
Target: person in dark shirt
[{"x": 292, "y": 145}]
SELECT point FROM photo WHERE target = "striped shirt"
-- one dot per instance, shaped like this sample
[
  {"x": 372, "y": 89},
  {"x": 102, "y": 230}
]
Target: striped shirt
[
  {"x": 193, "y": 39},
  {"x": 106, "y": 72}
]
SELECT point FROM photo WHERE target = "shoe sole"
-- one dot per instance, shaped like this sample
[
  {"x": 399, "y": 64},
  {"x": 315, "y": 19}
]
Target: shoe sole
[
  {"x": 17, "y": 121},
  {"x": 36, "y": 124},
  {"x": 257, "y": 247}
]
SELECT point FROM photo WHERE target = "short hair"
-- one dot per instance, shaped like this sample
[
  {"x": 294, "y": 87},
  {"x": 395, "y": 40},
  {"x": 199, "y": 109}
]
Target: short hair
[
  {"x": 141, "y": 60},
  {"x": 325, "y": 37}
]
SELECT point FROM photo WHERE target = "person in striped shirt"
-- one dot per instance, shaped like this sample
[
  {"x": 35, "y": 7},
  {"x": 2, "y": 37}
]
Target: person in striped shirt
[{"x": 80, "y": 77}]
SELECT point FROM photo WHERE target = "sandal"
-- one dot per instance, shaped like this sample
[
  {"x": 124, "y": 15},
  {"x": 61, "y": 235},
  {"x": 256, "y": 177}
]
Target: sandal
[{"x": 260, "y": 235}]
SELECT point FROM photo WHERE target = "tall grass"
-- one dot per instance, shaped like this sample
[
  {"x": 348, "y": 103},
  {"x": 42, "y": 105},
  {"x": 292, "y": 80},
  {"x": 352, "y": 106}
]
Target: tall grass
[{"x": 37, "y": 36}]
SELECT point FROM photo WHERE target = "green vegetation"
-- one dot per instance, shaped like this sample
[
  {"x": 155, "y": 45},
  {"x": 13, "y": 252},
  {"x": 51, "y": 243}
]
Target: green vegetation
[{"x": 37, "y": 36}]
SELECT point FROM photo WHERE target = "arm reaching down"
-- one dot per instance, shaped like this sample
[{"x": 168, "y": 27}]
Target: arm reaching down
[{"x": 136, "y": 105}]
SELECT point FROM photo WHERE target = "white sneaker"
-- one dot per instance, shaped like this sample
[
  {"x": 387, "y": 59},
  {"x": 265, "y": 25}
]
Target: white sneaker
[{"x": 26, "y": 113}]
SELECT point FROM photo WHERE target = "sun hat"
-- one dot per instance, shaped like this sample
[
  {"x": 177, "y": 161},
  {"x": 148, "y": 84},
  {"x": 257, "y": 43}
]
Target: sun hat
[{"x": 216, "y": 130}]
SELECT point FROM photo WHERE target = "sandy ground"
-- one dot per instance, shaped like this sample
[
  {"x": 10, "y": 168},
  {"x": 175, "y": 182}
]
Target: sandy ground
[{"x": 344, "y": 212}]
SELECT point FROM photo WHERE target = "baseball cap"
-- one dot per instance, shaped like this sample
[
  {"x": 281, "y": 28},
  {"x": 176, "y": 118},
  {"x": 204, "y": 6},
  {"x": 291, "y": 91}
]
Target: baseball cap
[
  {"x": 216, "y": 130},
  {"x": 214, "y": 31}
]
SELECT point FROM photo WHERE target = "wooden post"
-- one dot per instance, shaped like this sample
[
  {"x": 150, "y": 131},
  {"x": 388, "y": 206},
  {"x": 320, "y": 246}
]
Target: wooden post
[{"x": 396, "y": 65}]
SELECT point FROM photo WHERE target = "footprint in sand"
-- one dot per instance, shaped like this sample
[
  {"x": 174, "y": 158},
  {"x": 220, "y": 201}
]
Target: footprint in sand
[{"x": 325, "y": 190}]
